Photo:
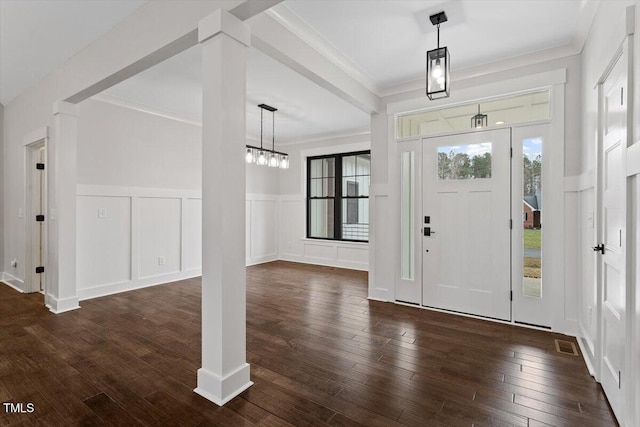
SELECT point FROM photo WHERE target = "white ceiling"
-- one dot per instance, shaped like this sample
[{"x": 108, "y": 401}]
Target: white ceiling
[
  {"x": 38, "y": 36},
  {"x": 387, "y": 40},
  {"x": 304, "y": 108},
  {"x": 383, "y": 42}
]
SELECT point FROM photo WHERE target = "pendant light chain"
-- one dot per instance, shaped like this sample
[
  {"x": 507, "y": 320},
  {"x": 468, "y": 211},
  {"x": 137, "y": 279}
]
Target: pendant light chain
[
  {"x": 273, "y": 131},
  {"x": 261, "y": 120}
]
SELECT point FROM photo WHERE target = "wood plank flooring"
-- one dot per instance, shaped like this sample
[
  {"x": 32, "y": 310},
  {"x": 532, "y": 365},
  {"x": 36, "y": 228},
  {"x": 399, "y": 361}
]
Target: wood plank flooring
[{"x": 320, "y": 354}]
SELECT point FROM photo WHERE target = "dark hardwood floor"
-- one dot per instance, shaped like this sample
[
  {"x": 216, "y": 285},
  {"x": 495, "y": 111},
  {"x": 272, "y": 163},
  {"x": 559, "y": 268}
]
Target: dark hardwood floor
[{"x": 320, "y": 354}]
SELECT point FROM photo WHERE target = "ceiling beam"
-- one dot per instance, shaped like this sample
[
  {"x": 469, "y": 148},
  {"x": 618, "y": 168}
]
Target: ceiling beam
[
  {"x": 273, "y": 39},
  {"x": 153, "y": 33}
]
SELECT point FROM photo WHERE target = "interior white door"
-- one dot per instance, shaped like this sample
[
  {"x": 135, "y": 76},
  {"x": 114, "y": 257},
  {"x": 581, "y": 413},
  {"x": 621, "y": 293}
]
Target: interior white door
[
  {"x": 466, "y": 249},
  {"x": 612, "y": 232}
]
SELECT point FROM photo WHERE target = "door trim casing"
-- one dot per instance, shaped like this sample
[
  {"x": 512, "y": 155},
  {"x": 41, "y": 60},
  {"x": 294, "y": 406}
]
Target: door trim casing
[{"x": 31, "y": 143}]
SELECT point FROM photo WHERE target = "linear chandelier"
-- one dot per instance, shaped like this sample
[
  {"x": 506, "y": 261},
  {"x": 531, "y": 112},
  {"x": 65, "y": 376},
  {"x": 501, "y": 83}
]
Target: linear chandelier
[{"x": 263, "y": 156}]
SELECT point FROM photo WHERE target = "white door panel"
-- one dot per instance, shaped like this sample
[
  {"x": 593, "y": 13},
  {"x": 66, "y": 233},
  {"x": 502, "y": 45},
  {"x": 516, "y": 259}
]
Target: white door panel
[
  {"x": 612, "y": 224},
  {"x": 466, "y": 259}
]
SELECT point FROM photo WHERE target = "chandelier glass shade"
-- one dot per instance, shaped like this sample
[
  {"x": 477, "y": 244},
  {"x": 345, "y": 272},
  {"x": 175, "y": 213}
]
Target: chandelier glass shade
[
  {"x": 438, "y": 65},
  {"x": 262, "y": 156},
  {"x": 479, "y": 121}
]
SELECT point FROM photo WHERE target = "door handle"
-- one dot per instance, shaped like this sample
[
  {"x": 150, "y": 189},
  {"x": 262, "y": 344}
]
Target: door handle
[
  {"x": 428, "y": 232},
  {"x": 599, "y": 248}
]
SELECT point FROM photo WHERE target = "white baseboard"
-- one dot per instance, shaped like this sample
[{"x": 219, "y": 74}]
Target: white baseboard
[
  {"x": 325, "y": 262},
  {"x": 57, "y": 306},
  {"x": 12, "y": 281},
  {"x": 221, "y": 390},
  {"x": 116, "y": 288},
  {"x": 585, "y": 355},
  {"x": 380, "y": 295},
  {"x": 585, "y": 349},
  {"x": 261, "y": 260}
]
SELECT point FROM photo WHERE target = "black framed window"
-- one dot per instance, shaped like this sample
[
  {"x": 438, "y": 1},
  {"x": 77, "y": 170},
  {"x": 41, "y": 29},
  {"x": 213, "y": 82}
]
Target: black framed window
[{"x": 338, "y": 196}]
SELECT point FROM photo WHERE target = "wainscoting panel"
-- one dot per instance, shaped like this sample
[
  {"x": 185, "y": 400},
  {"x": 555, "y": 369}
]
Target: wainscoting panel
[
  {"x": 193, "y": 234},
  {"x": 262, "y": 228},
  {"x": 103, "y": 240},
  {"x": 131, "y": 237},
  {"x": 296, "y": 247},
  {"x": 159, "y": 248},
  {"x": 150, "y": 236}
]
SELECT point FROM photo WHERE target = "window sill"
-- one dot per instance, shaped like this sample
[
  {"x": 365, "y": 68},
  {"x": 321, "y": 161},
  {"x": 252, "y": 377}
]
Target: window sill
[{"x": 335, "y": 242}]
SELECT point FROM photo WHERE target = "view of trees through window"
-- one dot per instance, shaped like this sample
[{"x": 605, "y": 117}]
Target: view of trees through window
[
  {"x": 532, "y": 216},
  {"x": 465, "y": 161}
]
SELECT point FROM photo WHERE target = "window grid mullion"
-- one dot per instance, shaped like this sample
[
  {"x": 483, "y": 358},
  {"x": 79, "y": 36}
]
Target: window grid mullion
[{"x": 337, "y": 204}]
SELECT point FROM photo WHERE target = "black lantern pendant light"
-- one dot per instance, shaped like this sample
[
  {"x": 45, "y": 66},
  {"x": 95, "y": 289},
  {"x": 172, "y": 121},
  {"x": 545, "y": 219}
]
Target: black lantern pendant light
[
  {"x": 263, "y": 156},
  {"x": 479, "y": 121},
  {"x": 438, "y": 75}
]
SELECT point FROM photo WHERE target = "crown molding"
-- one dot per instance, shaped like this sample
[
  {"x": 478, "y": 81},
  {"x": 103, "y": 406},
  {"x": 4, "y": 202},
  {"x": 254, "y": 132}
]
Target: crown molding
[
  {"x": 327, "y": 136},
  {"x": 136, "y": 106},
  {"x": 587, "y": 14},
  {"x": 299, "y": 27}
]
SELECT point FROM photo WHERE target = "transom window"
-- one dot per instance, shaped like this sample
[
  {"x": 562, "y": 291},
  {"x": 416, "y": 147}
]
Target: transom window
[
  {"x": 506, "y": 110},
  {"x": 338, "y": 196}
]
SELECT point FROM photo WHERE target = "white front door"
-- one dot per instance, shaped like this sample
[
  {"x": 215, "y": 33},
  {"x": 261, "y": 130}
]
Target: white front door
[
  {"x": 466, "y": 254},
  {"x": 612, "y": 232}
]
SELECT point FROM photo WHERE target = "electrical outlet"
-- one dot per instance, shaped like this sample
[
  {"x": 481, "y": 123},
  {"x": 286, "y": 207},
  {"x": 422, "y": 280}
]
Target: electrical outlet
[
  {"x": 14, "y": 263},
  {"x": 160, "y": 260},
  {"x": 102, "y": 213},
  {"x": 20, "y": 213},
  {"x": 52, "y": 214}
]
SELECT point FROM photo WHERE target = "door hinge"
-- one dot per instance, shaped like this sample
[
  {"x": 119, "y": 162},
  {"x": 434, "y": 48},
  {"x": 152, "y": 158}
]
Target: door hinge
[
  {"x": 40, "y": 166},
  {"x": 511, "y": 224},
  {"x": 40, "y": 269},
  {"x": 510, "y": 295},
  {"x": 619, "y": 379},
  {"x": 511, "y": 152},
  {"x": 622, "y": 95},
  {"x": 39, "y": 218}
]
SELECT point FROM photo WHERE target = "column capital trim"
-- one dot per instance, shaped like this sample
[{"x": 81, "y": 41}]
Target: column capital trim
[
  {"x": 222, "y": 21},
  {"x": 63, "y": 107}
]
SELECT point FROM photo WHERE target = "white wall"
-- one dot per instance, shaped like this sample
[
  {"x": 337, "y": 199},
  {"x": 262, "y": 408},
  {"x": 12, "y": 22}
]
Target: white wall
[
  {"x": 139, "y": 201},
  {"x": 2, "y": 179},
  {"x": 161, "y": 23},
  {"x": 294, "y": 246},
  {"x": 138, "y": 217},
  {"x": 124, "y": 147}
]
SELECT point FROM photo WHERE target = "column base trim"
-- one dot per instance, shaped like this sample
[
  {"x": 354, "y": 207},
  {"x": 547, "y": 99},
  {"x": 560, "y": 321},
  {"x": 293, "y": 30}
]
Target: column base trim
[
  {"x": 57, "y": 306},
  {"x": 222, "y": 390}
]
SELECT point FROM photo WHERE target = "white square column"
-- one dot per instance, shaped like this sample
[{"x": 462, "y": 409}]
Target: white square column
[
  {"x": 224, "y": 373},
  {"x": 62, "y": 157}
]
